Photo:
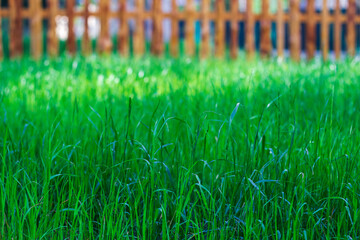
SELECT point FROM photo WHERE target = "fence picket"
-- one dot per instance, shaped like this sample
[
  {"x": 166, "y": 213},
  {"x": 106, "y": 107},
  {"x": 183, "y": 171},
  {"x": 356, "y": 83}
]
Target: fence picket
[
  {"x": 249, "y": 38},
  {"x": 189, "y": 28},
  {"x": 71, "y": 41},
  {"x": 157, "y": 38},
  {"x": 139, "y": 41},
  {"x": 36, "y": 29},
  {"x": 220, "y": 28},
  {"x": 105, "y": 44},
  {"x": 294, "y": 30},
  {"x": 325, "y": 30},
  {"x": 280, "y": 29},
  {"x": 351, "y": 13},
  {"x": 86, "y": 47},
  {"x": 16, "y": 33},
  {"x": 123, "y": 33},
  {"x": 337, "y": 30},
  {"x": 265, "y": 43},
  {"x": 174, "y": 41},
  {"x": 234, "y": 44},
  {"x": 310, "y": 29},
  {"x": 52, "y": 39}
]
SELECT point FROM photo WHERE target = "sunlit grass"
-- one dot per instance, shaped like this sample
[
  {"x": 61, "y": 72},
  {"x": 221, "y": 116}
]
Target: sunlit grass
[{"x": 111, "y": 148}]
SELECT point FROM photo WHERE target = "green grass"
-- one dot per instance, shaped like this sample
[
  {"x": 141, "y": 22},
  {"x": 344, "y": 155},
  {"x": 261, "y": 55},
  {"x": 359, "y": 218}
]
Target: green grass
[{"x": 111, "y": 148}]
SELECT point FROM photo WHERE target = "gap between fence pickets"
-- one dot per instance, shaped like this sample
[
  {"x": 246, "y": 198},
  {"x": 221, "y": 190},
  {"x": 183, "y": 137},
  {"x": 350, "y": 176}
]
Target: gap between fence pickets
[{"x": 294, "y": 17}]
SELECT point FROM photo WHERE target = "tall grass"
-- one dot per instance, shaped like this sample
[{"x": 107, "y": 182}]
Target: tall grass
[{"x": 108, "y": 148}]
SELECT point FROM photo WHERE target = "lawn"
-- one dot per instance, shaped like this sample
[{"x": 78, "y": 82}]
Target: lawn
[{"x": 111, "y": 148}]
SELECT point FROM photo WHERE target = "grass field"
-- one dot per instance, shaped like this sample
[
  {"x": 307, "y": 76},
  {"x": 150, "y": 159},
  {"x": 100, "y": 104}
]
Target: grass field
[{"x": 107, "y": 148}]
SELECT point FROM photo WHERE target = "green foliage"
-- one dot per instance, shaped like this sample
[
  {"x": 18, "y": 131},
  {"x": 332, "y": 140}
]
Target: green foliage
[{"x": 111, "y": 148}]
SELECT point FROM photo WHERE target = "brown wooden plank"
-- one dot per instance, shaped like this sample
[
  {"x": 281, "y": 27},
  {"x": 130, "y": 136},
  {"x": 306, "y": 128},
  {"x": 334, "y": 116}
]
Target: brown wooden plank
[
  {"x": 190, "y": 28},
  {"x": 280, "y": 31},
  {"x": 157, "y": 45},
  {"x": 123, "y": 34},
  {"x": 337, "y": 30},
  {"x": 234, "y": 44},
  {"x": 1, "y": 42},
  {"x": 85, "y": 45},
  {"x": 219, "y": 28},
  {"x": 294, "y": 30},
  {"x": 265, "y": 41},
  {"x": 205, "y": 29},
  {"x": 139, "y": 36},
  {"x": 105, "y": 44},
  {"x": 36, "y": 29},
  {"x": 52, "y": 39},
  {"x": 16, "y": 33},
  {"x": 249, "y": 38},
  {"x": 71, "y": 41},
  {"x": 174, "y": 41},
  {"x": 310, "y": 29},
  {"x": 325, "y": 30},
  {"x": 351, "y": 13}
]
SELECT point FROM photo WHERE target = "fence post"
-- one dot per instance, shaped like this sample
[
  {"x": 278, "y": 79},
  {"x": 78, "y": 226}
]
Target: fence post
[
  {"x": 280, "y": 29},
  {"x": 139, "y": 39},
  {"x": 71, "y": 41},
  {"x": 189, "y": 28},
  {"x": 16, "y": 34},
  {"x": 157, "y": 40},
  {"x": 205, "y": 29},
  {"x": 351, "y": 13},
  {"x": 53, "y": 42},
  {"x": 174, "y": 41},
  {"x": 85, "y": 45},
  {"x": 325, "y": 30},
  {"x": 310, "y": 29},
  {"x": 123, "y": 39},
  {"x": 105, "y": 44},
  {"x": 249, "y": 38},
  {"x": 36, "y": 28},
  {"x": 1, "y": 43},
  {"x": 234, "y": 45},
  {"x": 220, "y": 28},
  {"x": 337, "y": 30},
  {"x": 294, "y": 30},
  {"x": 265, "y": 41}
]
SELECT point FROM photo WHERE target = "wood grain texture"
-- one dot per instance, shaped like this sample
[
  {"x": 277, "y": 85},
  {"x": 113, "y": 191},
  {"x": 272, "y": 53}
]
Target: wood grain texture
[
  {"x": 139, "y": 36},
  {"x": 105, "y": 44},
  {"x": 36, "y": 39},
  {"x": 174, "y": 41},
  {"x": 190, "y": 28},
  {"x": 234, "y": 25},
  {"x": 351, "y": 13},
  {"x": 123, "y": 33},
  {"x": 220, "y": 28},
  {"x": 325, "y": 31},
  {"x": 295, "y": 30},
  {"x": 71, "y": 41},
  {"x": 86, "y": 45},
  {"x": 337, "y": 30},
  {"x": 249, "y": 31},
  {"x": 205, "y": 29},
  {"x": 16, "y": 26},
  {"x": 280, "y": 29},
  {"x": 265, "y": 41},
  {"x": 310, "y": 30},
  {"x": 52, "y": 39},
  {"x": 157, "y": 45}
]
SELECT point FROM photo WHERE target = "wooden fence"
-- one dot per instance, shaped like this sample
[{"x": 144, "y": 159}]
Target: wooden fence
[{"x": 206, "y": 13}]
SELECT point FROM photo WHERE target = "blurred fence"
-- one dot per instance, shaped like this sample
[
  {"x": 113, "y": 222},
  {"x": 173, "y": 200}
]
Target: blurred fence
[{"x": 220, "y": 23}]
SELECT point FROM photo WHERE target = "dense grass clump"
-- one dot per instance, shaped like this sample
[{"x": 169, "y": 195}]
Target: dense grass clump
[{"x": 108, "y": 148}]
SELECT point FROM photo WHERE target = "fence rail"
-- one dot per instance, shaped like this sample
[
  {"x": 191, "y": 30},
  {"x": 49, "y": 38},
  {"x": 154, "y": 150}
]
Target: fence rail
[{"x": 219, "y": 14}]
